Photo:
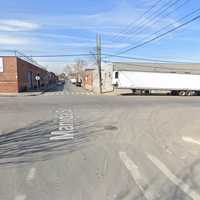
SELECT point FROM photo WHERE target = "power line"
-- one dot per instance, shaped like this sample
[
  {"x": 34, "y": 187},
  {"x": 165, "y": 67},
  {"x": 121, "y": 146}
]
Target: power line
[
  {"x": 165, "y": 27},
  {"x": 181, "y": 19},
  {"x": 160, "y": 36},
  {"x": 166, "y": 15},
  {"x": 150, "y": 59},
  {"x": 154, "y": 15},
  {"x": 61, "y": 55},
  {"x": 112, "y": 55},
  {"x": 138, "y": 19}
]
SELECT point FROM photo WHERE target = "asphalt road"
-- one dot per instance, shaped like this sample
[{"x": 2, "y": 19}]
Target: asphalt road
[{"x": 72, "y": 145}]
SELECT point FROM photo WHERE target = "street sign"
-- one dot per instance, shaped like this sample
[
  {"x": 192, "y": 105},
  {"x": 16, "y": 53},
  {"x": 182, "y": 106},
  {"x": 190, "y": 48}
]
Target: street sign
[{"x": 37, "y": 78}]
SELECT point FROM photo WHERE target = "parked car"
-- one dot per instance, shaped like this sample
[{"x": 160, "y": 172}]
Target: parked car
[
  {"x": 79, "y": 83},
  {"x": 73, "y": 81}
]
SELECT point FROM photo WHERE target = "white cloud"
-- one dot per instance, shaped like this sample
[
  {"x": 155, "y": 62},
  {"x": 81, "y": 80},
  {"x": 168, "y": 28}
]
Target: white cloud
[
  {"x": 17, "y": 25},
  {"x": 13, "y": 40}
]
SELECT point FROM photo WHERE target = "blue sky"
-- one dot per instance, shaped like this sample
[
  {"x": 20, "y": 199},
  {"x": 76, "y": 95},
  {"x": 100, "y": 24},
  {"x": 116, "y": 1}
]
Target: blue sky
[{"x": 67, "y": 27}]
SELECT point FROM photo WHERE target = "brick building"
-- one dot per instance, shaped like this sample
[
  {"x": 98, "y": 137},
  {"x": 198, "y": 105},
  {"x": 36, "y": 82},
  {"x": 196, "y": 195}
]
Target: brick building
[
  {"x": 18, "y": 75},
  {"x": 91, "y": 78}
]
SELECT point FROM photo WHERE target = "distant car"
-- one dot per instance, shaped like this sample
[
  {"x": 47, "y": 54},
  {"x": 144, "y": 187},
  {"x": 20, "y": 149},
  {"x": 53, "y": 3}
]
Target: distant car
[
  {"x": 78, "y": 84},
  {"x": 73, "y": 81},
  {"x": 60, "y": 83}
]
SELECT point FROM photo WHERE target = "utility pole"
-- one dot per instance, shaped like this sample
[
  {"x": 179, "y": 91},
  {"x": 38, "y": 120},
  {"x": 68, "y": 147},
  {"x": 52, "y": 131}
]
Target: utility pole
[{"x": 98, "y": 40}]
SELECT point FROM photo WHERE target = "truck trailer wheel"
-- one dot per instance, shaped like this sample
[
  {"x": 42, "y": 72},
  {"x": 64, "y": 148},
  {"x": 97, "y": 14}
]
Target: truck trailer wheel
[
  {"x": 189, "y": 93},
  {"x": 182, "y": 93},
  {"x": 197, "y": 93},
  {"x": 134, "y": 91},
  {"x": 147, "y": 92},
  {"x": 174, "y": 93}
]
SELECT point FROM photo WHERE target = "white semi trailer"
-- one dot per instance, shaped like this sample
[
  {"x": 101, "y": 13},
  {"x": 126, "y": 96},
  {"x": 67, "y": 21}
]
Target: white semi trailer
[{"x": 145, "y": 82}]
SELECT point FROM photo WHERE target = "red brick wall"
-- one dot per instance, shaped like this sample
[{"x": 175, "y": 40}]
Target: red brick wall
[
  {"x": 23, "y": 67},
  {"x": 8, "y": 78}
]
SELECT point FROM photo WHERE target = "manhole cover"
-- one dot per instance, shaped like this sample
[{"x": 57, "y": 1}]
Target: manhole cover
[{"x": 110, "y": 128}]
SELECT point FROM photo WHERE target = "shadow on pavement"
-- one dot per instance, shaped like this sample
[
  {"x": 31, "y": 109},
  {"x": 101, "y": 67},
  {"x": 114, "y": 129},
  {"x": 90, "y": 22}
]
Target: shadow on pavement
[
  {"x": 131, "y": 94},
  {"x": 57, "y": 88}
]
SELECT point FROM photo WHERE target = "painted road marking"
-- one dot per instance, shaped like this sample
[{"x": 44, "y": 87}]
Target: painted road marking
[
  {"x": 139, "y": 180},
  {"x": 62, "y": 137},
  {"x": 190, "y": 140},
  {"x": 66, "y": 126},
  {"x": 178, "y": 182},
  {"x": 31, "y": 174},
  {"x": 62, "y": 133},
  {"x": 20, "y": 197}
]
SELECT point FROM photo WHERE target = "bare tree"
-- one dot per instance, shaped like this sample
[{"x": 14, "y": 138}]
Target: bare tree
[
  {"x": 68, "y": 69},
  {"x": 79, "y": 65}
]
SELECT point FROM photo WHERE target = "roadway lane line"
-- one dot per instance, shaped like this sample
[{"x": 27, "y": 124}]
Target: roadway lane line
[
  {"x": 190, "y": 140},
  {"x": 20, "y": 197},
  {"x": 178, "y": 182},
  {"x": 135, "y": 173},
  {"x": 31, "y": 174}
]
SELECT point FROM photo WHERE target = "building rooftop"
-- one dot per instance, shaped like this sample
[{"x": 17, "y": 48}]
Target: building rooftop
[
  {"x": 193, "y": 68},
  {"x": 14, "y": 53}
]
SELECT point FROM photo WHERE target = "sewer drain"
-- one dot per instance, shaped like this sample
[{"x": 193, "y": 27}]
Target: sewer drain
[{"x": 110, "y": 128}]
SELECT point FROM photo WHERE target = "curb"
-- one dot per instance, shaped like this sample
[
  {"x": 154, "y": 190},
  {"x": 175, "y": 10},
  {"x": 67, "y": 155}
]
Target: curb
[{"x": 27, "y": 94}]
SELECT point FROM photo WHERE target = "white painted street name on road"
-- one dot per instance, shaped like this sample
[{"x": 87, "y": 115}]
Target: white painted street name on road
[{"x": 66, "y": 126}]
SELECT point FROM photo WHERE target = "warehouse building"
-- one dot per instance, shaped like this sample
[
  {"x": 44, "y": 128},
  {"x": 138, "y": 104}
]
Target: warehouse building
[
  {"x": 18, "y": 74},
  {"x": 91, "y": 79}
]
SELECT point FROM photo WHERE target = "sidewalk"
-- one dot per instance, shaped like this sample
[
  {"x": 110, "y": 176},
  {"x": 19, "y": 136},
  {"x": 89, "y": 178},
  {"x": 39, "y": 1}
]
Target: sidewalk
[
  {"x": 24, "y": 94},
  {"x": 21, "y": 94},
  {"x": 117, "y": 92}
]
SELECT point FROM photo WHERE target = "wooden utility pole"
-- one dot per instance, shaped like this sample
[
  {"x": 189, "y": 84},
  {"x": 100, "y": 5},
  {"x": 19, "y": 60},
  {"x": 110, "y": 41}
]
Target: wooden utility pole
[{"x": 98, "y": 40}]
